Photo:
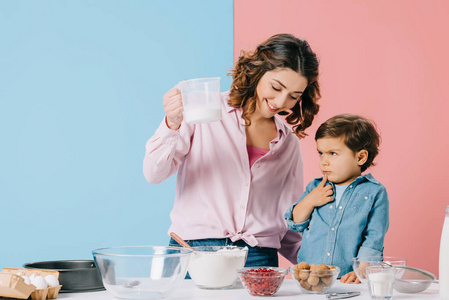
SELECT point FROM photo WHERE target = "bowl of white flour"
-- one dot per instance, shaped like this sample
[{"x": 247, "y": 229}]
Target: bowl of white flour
[{"x": 215, "y": 267}]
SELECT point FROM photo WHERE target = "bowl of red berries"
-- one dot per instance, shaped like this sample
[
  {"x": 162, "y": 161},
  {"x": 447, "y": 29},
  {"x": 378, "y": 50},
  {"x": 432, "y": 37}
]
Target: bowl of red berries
[{"x": 262, "y": 281}]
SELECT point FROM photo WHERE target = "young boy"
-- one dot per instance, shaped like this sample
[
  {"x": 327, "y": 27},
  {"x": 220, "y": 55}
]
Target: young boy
[{"x": 344, "y": 214}]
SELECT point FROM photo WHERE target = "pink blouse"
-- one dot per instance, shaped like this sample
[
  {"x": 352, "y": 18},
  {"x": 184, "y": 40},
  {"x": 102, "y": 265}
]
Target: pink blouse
[{"x": 219, "y": 192}]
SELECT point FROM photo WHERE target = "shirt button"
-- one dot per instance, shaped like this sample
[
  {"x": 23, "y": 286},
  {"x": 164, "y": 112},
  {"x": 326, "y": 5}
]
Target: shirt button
[
  {"x": 242, "y": 207},
  {"x": 341, "y": 207},
  {"x": 328, "y": 254},
  {"x": 246, "y": 183},
  {"x": 256, "y": 165},
  {"x": 350, "y": 186},
  {"x": 366, "y": 198},
  {"x": 330, "y": 207},
  {"x": 332, "y": 228},
  {"x": 175, "y": 137}
]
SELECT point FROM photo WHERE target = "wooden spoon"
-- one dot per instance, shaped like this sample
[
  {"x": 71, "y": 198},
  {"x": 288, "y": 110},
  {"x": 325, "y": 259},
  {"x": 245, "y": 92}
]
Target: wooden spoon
[{"x": 180, "y": 241}]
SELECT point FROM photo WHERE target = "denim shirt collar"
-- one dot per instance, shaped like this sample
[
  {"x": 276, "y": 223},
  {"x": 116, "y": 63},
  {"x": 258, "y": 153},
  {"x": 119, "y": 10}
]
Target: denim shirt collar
[{"x": 362, "y": 178}]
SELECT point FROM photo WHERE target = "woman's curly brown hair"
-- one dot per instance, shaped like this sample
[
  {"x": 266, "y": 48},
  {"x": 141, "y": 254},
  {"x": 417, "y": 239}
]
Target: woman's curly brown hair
[{"x": 279, "y": 51}]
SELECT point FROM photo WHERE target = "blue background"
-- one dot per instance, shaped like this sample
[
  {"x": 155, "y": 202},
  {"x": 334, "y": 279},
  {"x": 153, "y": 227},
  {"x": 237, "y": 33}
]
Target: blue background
[{"x": 81, "y": 86}]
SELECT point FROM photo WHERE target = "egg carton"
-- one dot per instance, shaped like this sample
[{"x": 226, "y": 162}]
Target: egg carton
[{"x": 12, "y": 284}]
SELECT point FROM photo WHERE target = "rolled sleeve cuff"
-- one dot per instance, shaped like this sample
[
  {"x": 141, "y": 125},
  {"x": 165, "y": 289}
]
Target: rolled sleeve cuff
[
  {"x": 364, "y": 251},
  {"x": 298, "y": 227}
]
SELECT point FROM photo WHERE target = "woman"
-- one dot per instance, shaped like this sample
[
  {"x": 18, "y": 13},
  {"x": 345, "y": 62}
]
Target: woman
[{"x": 237, "y": 177}]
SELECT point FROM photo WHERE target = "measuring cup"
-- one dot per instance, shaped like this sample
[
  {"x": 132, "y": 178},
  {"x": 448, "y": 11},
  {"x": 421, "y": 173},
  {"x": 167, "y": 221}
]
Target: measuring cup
[{"x": 201, "y": 100}]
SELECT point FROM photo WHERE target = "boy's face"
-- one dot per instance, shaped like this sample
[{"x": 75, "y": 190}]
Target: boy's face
[{"x": 338, "y": 162}]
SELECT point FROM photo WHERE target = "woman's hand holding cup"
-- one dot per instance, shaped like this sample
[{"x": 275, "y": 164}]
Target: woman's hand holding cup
[{"x": 173, "y": 108}]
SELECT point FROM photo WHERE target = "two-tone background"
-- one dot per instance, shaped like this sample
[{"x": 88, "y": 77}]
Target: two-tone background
[{"x": 81, "y": 86}]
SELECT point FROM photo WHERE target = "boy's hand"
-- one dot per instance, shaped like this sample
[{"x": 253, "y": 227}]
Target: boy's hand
[
  {"x": 320, "y": 195},
  {"x": 349, "y": 278}
]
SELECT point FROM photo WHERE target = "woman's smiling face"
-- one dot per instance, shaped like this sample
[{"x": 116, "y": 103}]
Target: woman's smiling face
[{"x": 279, "y": 90}]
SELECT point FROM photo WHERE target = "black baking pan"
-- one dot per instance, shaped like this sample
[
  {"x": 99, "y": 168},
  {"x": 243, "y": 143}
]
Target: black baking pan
[{"x": 74, "y": 275}]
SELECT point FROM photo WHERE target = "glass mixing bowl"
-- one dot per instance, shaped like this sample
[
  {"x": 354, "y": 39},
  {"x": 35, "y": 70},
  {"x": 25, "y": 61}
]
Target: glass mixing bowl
[{"x": 141, "y": 272}]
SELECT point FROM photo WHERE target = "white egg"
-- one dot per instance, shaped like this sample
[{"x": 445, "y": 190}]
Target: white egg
[
  {"x": 39, "y": 282},
  {"x": 51, "y": 280},
  {"x": 26, "y": 279}
]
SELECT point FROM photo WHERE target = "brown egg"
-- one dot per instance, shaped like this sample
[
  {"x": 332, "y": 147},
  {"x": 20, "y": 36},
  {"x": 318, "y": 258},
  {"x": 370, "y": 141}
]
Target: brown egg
[
  {"x": 313, "y": 280},
  {"x": 327, "y": 280},
  {"x": 319, "y": 287},
  {"x": 323, "y": 267},
  {"x": 322, "y": 270},
  {"x": 313, "y": 267},
  {"x": 305, "y": 285},
  {"x": 304, "y": 266},
  {"x": 304, "y": 274},
  {"x": 296, "y": 274},
  {"x": 332, "y": 267}
]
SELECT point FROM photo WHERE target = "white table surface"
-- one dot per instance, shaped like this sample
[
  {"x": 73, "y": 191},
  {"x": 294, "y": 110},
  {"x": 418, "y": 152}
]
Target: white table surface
[{"x": 288, "y": 290}]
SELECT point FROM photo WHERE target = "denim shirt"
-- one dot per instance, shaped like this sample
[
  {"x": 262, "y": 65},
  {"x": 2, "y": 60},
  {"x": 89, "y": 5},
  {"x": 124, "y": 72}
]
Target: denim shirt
[{"x": 333, "y": 235}]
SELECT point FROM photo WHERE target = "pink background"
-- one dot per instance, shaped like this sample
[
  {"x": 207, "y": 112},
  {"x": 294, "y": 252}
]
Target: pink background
[{"x": 386, "y": 60}]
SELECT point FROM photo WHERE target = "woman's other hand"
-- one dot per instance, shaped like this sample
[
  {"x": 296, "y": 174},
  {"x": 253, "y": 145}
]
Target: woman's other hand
[
  {"x": 349, "y": 278},
  {"x": 173, "y": 108}
]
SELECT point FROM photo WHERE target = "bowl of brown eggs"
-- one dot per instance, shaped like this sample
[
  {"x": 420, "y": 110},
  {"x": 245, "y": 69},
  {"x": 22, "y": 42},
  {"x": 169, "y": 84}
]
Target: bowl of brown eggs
[{"x": 314, "y": 279}]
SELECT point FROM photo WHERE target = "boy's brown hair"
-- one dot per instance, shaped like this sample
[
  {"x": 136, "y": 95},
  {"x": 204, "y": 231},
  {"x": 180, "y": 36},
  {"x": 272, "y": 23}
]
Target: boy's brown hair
[{"x": 359, "y": 133}]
